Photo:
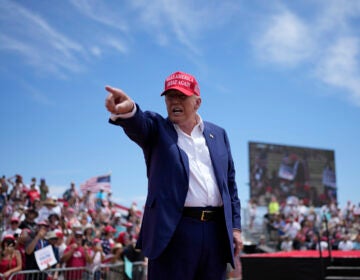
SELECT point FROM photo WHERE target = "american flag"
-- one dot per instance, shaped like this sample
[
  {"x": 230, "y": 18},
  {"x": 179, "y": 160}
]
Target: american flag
[{"x": 94, "y": 184}]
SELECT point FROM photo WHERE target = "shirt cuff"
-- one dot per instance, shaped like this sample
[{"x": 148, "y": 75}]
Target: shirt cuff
[{"x": 114, "y": 117}]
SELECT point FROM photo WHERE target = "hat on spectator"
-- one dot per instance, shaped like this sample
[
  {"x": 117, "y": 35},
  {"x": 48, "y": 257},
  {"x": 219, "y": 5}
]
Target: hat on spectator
[
  {"x": 127, "y": 224},
  {"x": 96, "y": 240},
  {"x": 116, "y": 246},
  {"x": 32, "y": 210},
  {"x": 8, "y": 237},
  {"x": 49, "y": 202},
  {"x": 78, "y": 232},
  {"x": 43, "y": 223},
  {"x": 14, "y": 219},
  {"x": 109, "y": 229},
  {"x": 76, "y": 226},
  {"x": 183, "y": 82},
  {"x": 59, "y": 233},
  {"x": 51, "y": 235},
  {"x": 89, "y": 226},
  {"x": 54, "y": 215}
]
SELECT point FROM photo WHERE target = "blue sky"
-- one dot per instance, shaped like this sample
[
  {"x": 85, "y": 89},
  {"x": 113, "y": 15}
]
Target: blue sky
[{"x": 286, "y": 73}]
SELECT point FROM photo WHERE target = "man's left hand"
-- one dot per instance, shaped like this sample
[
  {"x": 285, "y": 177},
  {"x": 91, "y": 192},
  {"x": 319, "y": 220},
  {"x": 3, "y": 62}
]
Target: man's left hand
[{"x": 238, "y": 242}]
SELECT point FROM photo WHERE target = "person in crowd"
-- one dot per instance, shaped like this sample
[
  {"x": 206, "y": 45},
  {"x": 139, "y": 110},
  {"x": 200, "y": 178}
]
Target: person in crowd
[
  {"x": 33, "y": 244},
  {"x": 71, "y": 195},
  {"x": 87, "y": 201},
  {"x": 52, "y": 239},
  {"x": 3, "y": 193},
  {"x": 44, "y": 189},
  {"x": 4, "y": 186},
  {"x": 10, "y": 259},
  {"x": 57, "y": 209},
  {"x": 21, "y": 243},
  {"x": 83, "y": 219},
  {"x": 286, "y": 243},
  {"x": 19, "y": 212},
  {"x": 132, "y": 213},
  {"x": 356, "y": 242},
  {"x": 180, "y": 205},
  {"x": 107, "y": 242},
  {"x": 100, "y": 198},
  {"x": 345, "y": 244},
  {"x": 137, "y": 258},
  {"x": 75, "y": 255},
  {"x": 54, "y": 221},
  {"x": 19, "y": 189},
  {"x": 13, "y": 229},
  {"x": 32, "y": 194},
  {"x": 117, "y": 253},
  {"x": 109, "y": 199},
  {"x": 96, "y": 256},
  {"x": 29, "y": 222},
  {"x": 47, "y": 209},
  {"x": 292, "y": 227},
  {"x": 89, "y": 233},
  {"x": 126, "y": 236},
  {"x": 117, "y": 224},
  {"x": 70, "y": 217},
  {"x": 274, "y": 206},
  {"x": 61, "y": 245},
  {"x": 252, "y": 209}
]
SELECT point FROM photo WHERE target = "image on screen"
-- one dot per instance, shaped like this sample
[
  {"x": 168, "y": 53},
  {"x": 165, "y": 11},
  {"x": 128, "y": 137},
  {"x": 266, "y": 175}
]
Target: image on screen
[{"x": 291, "y": 172}]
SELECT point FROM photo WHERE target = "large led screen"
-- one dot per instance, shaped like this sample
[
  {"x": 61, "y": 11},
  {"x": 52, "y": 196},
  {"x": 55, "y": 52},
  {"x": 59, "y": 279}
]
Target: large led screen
[{"x": 291, "y": 172}]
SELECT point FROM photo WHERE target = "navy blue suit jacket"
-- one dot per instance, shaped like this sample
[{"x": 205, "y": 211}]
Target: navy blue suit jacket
[{"x": 168, "y": 178}]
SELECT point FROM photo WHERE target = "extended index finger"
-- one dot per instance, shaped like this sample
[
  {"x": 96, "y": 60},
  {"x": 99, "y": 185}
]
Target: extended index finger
[
  {"x": 112, "y": 98},
  {"x": 115, "y": 91}
]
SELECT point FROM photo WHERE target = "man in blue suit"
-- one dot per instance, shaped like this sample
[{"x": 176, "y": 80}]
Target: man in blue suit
[{"x": 191, "y": 225}]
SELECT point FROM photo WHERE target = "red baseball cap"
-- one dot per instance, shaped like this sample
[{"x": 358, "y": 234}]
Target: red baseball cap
[
  {"x": 109, "y": 229},
  {"x": 182, "y": 82},
  {"x": 14, "y": 219},
  {"x": 9, "y": 236}
]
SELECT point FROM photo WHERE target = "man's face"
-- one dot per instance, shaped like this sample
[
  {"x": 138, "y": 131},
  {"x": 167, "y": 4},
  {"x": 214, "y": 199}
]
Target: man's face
[
  {"x": 14, "y": 225},
  {"x": 180, "y": 107}
]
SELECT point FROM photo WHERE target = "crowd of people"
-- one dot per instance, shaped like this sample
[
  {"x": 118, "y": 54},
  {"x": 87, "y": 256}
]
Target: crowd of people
[
  {"x": 87, "y": 229},
  {"x": 293, "y": 225},
  {"x": 83, "y": 229}
]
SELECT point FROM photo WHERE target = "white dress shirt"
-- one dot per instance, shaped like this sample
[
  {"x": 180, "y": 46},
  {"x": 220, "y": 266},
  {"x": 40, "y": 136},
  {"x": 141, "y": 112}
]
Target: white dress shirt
[{"x": 203, "y": 189}]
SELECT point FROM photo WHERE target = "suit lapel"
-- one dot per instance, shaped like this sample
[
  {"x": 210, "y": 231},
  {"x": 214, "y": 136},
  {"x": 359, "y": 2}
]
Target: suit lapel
[
  {"x": 211, "y": 140},
  {"x": 183, "y": 156}
]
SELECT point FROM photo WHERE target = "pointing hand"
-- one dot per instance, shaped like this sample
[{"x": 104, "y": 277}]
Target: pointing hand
[{"x": 117, "y": 102}]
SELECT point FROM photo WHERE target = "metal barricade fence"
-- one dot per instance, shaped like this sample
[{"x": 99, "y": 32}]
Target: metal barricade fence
[
  {"x": 120, "y": 271},
  {"x": 67, "y": 273},
  {"x": 138, "y": 271}
]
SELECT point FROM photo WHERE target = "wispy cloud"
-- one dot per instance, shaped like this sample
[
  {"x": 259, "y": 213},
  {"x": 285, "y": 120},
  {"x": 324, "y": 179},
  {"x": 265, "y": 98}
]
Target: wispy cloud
[
  {"x": 339, "y": 67},
  {"x": 182, "y": 22},
  {"x": 285, "y": 40},
  {"x": 117, "y": 44},
  {"x": 324, "y": 43},
  {"x": 99, "y": 11},
  {"x": 30, "y": 36}
]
